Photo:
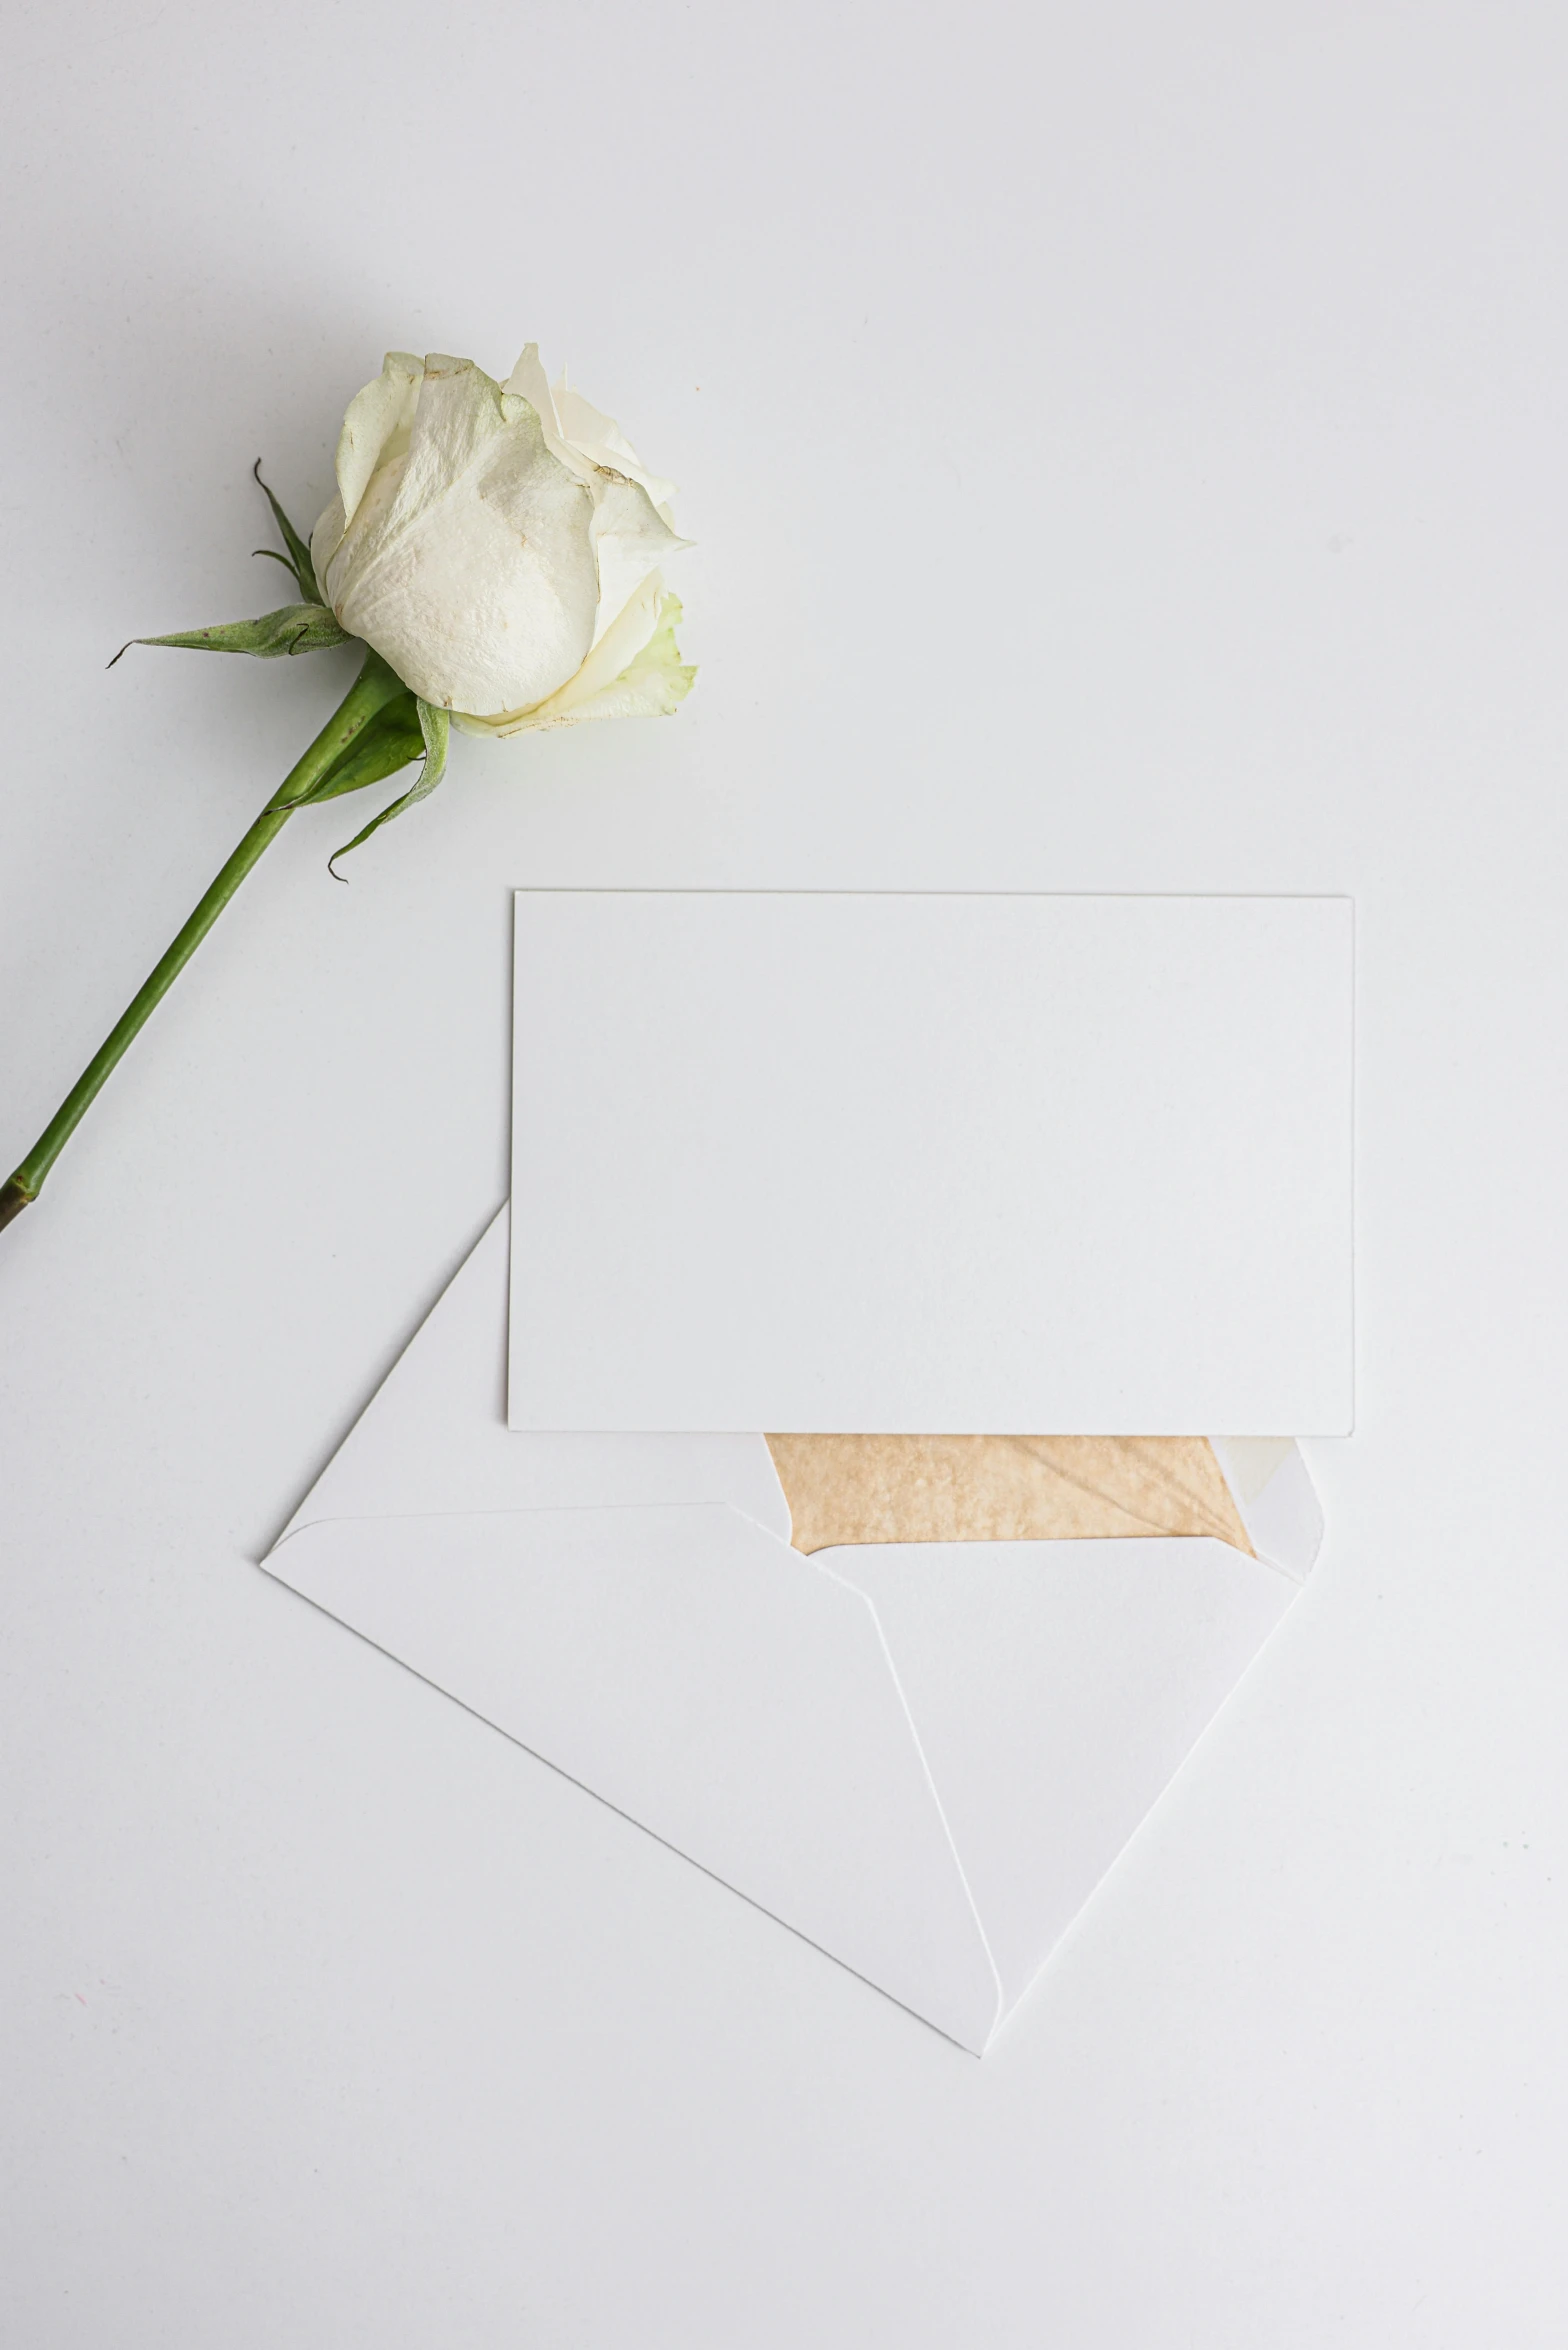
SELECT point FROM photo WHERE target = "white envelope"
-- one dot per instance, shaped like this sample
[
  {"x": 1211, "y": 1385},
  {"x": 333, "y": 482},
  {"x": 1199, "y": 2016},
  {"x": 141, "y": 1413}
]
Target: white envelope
[{"x": 920, "y": 1757}]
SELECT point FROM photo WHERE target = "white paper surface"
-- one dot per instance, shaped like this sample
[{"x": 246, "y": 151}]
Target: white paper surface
[
  {"x": 921, "y": 1757},
  {"x": 989, "y": 1163}
]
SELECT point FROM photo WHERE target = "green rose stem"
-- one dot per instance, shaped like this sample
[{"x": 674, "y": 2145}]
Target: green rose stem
[{"x": 375, "y": 686}]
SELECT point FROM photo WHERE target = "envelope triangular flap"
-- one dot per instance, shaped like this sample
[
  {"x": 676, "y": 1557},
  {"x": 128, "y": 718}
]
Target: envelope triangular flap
[
  {"x": 691, "y": 1669},
  {"x": 1056, "y": 1687},
  {"x": 434, "y": 1436}
]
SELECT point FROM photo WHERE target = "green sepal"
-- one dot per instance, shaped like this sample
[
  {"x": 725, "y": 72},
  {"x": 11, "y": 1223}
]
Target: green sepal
[
  {"x": 298, "y": 557},
  {"x": 387, "y": 742},
  {"x": 296, "y": 628},
  {"x": 435, "y": 727}
]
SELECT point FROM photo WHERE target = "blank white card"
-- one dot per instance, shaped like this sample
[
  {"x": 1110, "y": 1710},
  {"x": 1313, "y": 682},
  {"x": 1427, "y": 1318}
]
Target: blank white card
[{"x": 932, "y": 1163}]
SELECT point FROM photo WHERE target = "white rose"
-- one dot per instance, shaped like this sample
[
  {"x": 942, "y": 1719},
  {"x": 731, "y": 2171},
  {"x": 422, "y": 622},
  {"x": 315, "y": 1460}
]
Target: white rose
[{"x": 498, "y": 545}]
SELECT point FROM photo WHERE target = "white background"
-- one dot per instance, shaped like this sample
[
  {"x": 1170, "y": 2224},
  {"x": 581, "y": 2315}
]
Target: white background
[{"x": 1126, "y": 446}]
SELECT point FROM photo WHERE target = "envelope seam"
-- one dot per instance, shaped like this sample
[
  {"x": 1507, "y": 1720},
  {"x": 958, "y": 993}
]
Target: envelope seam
[{"x": 952, "y": 1844}]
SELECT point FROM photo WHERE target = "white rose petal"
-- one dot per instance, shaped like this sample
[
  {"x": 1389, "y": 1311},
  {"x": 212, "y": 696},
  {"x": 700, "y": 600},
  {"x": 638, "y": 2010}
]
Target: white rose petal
[
  {"x": 601, "y": 439},
  {"x": 379, "y": 414},
  {"x": 528, "y": 381},
  {"x": 631, "y": 536},
  {"x": 630, "y": 539},
  {"x": 634, "y": 671}
]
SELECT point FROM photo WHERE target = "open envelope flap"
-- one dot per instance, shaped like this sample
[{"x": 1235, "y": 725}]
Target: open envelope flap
[
  {"x": 697, "y": 1673},
  {"x": 434, "y": 1435},
  {"x": 434, "y": 1438}
]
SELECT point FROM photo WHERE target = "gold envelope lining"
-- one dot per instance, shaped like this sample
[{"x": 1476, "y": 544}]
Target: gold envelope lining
[{"x": 845, "y": 1489}]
